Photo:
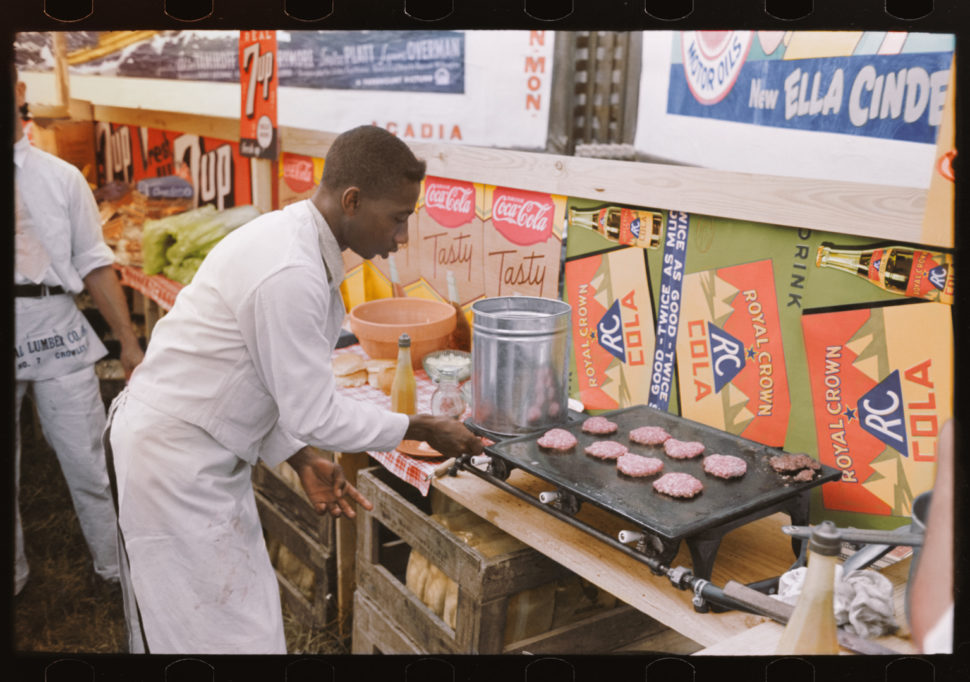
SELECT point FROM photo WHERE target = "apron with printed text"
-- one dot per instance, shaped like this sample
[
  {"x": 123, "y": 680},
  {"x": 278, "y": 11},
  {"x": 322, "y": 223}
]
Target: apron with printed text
[{"x": 53, "y": 338}]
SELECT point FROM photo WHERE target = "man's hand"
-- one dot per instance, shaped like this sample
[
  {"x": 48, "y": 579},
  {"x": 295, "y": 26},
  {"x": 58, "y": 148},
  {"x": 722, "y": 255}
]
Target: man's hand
[
  {"x": 449, "y": 437},
  {"x": 325, "y": 485}
]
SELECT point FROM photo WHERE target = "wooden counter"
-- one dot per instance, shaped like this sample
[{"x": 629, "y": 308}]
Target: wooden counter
[{"x": 756, "y": 551}]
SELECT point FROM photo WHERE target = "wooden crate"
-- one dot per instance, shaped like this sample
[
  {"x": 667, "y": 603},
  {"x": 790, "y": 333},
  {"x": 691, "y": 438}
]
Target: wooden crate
[
  {"x": 308, "y": 590},
  {"x": 374, "y": 633},
  {"x": 278, "y": 486},
  {"x": 400, "y": 522}
]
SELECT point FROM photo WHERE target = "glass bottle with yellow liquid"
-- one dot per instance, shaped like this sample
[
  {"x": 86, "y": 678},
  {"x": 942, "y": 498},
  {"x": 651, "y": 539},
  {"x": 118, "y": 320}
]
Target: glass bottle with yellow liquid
[
  {"x": 811, "y": 629},
  {"x": 404, "y": 388}
]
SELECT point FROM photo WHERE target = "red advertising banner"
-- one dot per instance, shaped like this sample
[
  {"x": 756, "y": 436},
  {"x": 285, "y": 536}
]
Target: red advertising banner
[
  {"x": 219, "y": 174},
  {"x": 880, "y": 396},
  {"x": 730, "y": 356},
  {"x": 258, "y": 74}
]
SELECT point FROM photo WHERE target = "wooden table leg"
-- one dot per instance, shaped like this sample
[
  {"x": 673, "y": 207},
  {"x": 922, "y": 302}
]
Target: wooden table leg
[{"x": 351, "y": 463}]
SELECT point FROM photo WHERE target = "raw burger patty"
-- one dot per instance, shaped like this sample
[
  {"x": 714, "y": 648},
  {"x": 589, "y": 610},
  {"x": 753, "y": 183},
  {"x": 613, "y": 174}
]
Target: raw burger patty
[
  {"x": 791, "y": 463},
  {"x": 804, "y": 476},
  {"x": 606, "y": 449},
  {"x": 557, "y": 439},
  {"x": 638, "y": 465},
  {"x": 599, "y": 426},
  {"x": 680, "y": 449},
  {"x": 725, "y": 466},
  {"x": 649, "y": 435},
  {"x": 678, "y": 484}
]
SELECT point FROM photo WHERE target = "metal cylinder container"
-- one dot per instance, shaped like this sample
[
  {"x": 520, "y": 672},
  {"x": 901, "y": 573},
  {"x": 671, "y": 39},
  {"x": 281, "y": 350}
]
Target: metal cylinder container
[{"x": 520, "y": 380}]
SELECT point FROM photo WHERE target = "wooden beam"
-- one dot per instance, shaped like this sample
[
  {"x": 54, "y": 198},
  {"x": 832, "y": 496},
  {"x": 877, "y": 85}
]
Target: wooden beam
[
  {"x": 208, "y": 126},
  {"x": 878, "y": 211},
  {"x": 868, "y": 210}
]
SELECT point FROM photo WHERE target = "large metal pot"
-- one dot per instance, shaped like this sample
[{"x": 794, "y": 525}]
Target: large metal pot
[{"x": 520, "y": 380}]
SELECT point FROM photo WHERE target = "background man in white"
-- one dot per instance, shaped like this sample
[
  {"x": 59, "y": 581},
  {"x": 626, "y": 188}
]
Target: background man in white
[{"x": 60, "y": 251}]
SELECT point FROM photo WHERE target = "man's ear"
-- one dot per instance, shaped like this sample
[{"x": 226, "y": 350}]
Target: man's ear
[{"x": 350, "y": 200}]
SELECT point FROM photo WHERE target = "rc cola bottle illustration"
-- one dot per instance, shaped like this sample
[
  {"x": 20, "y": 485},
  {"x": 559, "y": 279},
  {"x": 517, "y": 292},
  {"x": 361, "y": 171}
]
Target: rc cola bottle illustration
[{"x": 903, "y": 270}]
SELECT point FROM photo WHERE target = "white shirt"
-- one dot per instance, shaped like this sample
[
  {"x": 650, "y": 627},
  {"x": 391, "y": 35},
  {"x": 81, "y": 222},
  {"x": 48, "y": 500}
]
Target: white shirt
[
  {"x": 245, "y": 352},
  {"x": 63, "y": 216}
]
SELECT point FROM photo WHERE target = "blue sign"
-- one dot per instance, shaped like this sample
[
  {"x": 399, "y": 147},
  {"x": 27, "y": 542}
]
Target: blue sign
[
  {"x": 881, "y": 413},
  {"x": 668, "y": 308},
  {"x": 897, "y": 97}
]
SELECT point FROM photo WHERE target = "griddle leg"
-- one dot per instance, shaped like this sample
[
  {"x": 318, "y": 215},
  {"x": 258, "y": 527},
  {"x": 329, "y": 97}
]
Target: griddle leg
[
  {"x": 798, "y": 511},
  {"x": 702, "y": 554}
]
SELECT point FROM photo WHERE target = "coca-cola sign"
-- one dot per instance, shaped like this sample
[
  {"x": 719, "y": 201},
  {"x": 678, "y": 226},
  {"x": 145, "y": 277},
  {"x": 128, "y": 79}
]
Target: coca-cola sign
[
  {"x": 298, "y": 172},
  {"x": 524, "y": 218},
  {"x": 450, "y": 203}
]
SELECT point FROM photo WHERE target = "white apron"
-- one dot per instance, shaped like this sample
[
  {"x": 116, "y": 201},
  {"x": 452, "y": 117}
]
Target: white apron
[
  {"x": 53, "y": 338},
  {"x": 197, "y": 560}
]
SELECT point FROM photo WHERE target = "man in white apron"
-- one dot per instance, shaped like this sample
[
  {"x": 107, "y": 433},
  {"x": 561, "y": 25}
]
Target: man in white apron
[
  {"x": 60, "y": 251},
  {"x": 240, "y": 370}
]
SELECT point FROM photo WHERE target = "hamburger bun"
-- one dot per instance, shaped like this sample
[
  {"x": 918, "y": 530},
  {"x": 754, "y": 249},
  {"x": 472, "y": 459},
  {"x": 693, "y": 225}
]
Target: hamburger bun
[
  {"x": 352, "y": 380},
  {"x": 347, "y": 364}
]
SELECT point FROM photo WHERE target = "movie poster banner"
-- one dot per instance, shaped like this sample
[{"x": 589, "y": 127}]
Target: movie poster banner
[
  {"x": 880, "y": 395},
  {"x": 218, "y": 173},
  {"x": 813, "y": 81}
]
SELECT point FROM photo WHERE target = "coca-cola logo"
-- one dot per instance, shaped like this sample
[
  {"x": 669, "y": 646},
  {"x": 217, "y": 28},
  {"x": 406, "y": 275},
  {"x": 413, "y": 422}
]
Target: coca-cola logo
[
  {"x": 524, "y": 218},
  {"x": 449, "y": 202},
  {"x": 298, "y": 172}
]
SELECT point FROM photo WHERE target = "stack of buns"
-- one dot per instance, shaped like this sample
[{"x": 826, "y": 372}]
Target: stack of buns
[
  {"x": 349, "y": 370},
  {"x": 380, "y": 374}
]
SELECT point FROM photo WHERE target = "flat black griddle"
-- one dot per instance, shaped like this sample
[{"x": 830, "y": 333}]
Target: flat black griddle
[{"x": 664, "y": 521}]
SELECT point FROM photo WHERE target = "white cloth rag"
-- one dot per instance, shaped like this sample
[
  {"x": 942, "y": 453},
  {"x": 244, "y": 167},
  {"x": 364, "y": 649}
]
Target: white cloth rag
[{"x": 863, "y": 600}]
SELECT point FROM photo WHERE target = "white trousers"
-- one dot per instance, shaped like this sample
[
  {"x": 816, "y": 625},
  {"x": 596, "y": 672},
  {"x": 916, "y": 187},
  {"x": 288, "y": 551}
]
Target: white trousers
[
  {"x": 72, "y": 418},
  {"x": 197, "y": 561}
]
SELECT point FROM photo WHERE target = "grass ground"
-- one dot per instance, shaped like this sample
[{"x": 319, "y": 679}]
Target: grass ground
[{"x": 65, "y": 607}]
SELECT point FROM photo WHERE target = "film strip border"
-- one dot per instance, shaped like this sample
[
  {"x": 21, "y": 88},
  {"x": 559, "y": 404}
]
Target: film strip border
[
  {"x": 557, "y": 14},
  {"x": 914, "y": 15}
]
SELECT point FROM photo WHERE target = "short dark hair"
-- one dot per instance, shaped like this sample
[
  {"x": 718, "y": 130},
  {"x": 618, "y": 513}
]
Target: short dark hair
[{"x": 371, "y": 158}]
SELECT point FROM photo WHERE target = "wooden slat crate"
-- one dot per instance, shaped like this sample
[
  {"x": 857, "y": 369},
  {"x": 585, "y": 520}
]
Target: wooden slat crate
[
  {"x": 487, "y": 586},
  {"x": 280, "y": 486},
  {"x": 374, "y": 633},
  {"x": 305, "y": 569}
]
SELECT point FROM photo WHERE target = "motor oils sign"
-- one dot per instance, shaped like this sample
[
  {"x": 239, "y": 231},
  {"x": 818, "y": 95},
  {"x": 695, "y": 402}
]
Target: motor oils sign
[
  {"x": 258, "y": 74},
  {"x": 880, "y": 395}
]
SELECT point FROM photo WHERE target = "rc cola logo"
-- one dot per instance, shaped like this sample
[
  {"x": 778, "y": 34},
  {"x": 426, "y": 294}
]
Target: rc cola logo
[
  {"x": 727, "y": 356},
  {"x": 881, "y": 413},
  {"x": 937, "y": 276},
  {"x": 635, "y": 227},
  {"x": 524, "y": 218},
  {"x": 449, "y": 202},
  {"x": 609, "y": 332},
  {"x": 713, "y": 61}
]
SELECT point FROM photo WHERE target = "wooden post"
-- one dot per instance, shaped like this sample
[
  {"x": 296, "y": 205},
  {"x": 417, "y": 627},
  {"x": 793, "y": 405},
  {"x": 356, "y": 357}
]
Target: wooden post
[{"x": 351, "y": 463}]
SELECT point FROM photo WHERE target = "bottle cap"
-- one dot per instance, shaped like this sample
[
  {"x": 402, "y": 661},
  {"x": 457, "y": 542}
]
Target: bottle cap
[
  {"x": 404, "y": 341},
  {"x": 826, "y": 539}
]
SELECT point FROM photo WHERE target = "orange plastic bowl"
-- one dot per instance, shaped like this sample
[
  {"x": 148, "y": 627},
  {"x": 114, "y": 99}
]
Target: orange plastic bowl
[{"x": 378, "y": 324}]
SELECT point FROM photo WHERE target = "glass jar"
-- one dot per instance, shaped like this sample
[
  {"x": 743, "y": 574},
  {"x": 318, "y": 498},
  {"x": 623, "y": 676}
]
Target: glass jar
[{"x": 447, "y": 400}]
